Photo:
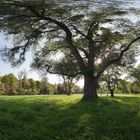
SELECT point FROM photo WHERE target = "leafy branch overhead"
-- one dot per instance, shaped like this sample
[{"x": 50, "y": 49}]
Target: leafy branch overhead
[{"x": 95, "y": 33}]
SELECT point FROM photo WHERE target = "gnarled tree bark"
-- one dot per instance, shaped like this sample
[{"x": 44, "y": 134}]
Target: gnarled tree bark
[{"x": 90, "y": 88}]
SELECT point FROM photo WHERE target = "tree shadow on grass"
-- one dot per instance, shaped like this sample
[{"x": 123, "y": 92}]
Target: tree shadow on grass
[{"x": 102, "y": 119}]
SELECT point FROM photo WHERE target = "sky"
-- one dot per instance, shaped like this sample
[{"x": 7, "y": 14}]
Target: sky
[{"x": 5, "y": 68}]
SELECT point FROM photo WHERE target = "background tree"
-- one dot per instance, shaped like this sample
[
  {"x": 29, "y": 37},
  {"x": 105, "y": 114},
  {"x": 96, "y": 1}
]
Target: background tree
[
  {"x": 23, "y": 83},
  {"x": 134, "y": 78},
  {"x": 32, "y": 85},
  {"x": 65, "y": 67},
  {"x": 96, "y": 34},
  {"x": 124, "y": 86},
  {"x": 135, "y": 87},
  {"x": 135, "y": 73},
  {"x": 20, "y": 81},
  {"x": 69, "y": 71},
  {"x": 10, "y": 84},
  {"x": 111, "y": 77},
  {"x": 61, "y": 89},
  {"x": 1, "y": 86},
  {"x": 77, "y": 90},
  {"x": 44, "y": 88},
  {"x": 38, "y": 86}
]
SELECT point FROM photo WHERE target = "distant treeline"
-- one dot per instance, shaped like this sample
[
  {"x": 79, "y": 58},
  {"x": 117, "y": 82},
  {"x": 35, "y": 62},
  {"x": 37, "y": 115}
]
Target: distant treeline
[
  {"x": 122, "y": 87},
  {"x": 11, "y": 85}
]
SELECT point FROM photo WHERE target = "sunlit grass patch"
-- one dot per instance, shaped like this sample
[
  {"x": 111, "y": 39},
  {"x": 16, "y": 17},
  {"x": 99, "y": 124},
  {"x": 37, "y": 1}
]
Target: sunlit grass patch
[{"x": 63, "y": 117}]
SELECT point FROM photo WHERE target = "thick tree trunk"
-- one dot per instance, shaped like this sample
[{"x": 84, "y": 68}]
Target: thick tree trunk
[
  {"x": 68, "y": 93},
  {"x": 69, "y": 90},
  {"x": 112, "y": 93},
  {"x": 90, "y": 88}
]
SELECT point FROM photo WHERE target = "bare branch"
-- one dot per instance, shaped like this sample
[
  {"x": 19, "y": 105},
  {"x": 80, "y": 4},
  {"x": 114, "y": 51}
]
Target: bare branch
[
  {"x": 78, "y": 31},
  {"x": 65, "y": 74},
  {"x": 94, "y": 25}
]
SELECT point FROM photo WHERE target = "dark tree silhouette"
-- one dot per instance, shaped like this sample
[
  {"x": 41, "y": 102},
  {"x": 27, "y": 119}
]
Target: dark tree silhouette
[{"x": 95, "y": 32}]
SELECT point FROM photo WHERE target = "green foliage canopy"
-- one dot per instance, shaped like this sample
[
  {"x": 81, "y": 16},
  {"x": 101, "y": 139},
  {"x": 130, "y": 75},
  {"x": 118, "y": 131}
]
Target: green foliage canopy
[{"x": 95, "y": 32}]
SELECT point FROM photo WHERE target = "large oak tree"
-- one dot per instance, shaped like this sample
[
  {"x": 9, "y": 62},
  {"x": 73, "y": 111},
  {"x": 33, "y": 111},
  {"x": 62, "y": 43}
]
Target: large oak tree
[{"x": 95, "y": 32}]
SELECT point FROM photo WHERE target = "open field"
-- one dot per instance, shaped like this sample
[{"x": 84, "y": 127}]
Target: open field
[{"x": 66, "y": 118}]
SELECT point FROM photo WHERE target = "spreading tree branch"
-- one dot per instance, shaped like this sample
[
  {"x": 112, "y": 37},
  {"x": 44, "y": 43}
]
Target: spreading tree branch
[
  {"x": 117, "y": 59},
  {"x": 92, "y": 29},
  {"x": 68, "y": 36},
  {"x": 78, "y": 31}
]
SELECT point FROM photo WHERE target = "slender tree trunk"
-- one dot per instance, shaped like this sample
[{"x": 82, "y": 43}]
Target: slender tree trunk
[{"x": 90, "y": 88}]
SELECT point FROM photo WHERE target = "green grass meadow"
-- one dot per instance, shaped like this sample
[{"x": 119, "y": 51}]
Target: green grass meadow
[{"x": 60, "y": 117}]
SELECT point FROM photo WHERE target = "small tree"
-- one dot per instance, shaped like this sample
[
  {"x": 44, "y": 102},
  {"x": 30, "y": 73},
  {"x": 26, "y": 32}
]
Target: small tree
[
  {"x": 134, "y": 76},
  {"x": 60, "y": 89},
  {"x": 135, "y": 73},
  {"x": 32, "y": 85},
  {"x": 111, "y": 78},
  {"x": 10, "y": 82},
  {"x": 1, "y": 86},
  {"x": 23, "y": 83},
  {"x": 65, "y": 67},
  {"x": 44, "y": 89},
  {"x": 77, "y": 90}
]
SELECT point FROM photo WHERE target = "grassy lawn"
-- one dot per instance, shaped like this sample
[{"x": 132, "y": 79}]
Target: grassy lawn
[{"x": 66, "y": 118}]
